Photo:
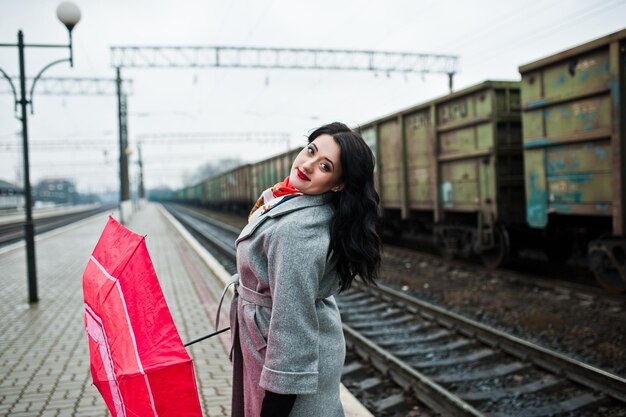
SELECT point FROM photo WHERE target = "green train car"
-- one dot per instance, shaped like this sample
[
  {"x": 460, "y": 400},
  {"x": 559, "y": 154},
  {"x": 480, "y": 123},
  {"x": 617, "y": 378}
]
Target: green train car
[
  {"x": 268, "y": 172},
  {"x": 452, "y": 167},
  {"x": 190, "y": 194},
  {"x": 236, "y": 190},
  {"x": 229, "y": 190},
  {"x": 574, "y": 121}
]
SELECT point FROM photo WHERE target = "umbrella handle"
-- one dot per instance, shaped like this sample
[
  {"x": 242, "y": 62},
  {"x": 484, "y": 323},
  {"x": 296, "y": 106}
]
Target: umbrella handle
[{"x": 206, "y": 337}]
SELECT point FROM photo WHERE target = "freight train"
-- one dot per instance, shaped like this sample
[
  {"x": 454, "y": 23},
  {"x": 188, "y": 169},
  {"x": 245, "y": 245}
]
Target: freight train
[{"x": 498, "y": 166}]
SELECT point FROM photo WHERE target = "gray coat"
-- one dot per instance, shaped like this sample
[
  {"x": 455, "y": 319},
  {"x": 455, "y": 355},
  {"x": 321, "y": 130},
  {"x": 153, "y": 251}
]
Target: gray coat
[{"x": 288, "y": 336}]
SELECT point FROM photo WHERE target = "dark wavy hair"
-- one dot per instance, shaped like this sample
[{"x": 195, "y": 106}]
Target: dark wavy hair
[{"x": 355, "y": 245}]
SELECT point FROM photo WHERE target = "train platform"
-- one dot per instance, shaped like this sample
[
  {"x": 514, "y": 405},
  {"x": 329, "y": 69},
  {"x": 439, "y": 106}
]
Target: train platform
[{"x": 44, "y": 357}]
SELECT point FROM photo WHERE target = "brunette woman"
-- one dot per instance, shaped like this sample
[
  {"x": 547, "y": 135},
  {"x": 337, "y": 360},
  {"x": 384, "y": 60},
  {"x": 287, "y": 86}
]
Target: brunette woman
[{"x": 307, "y": 238}]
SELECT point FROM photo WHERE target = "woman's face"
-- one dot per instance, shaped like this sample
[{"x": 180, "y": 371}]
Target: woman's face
[{"x": 317, "y": 168}]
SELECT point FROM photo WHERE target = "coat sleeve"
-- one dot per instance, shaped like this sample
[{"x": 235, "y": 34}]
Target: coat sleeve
[{"x": 296, "y": 261}]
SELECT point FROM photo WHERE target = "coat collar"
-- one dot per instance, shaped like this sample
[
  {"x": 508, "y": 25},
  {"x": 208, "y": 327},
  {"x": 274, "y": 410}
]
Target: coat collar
[{"x": 288, "y": 206}]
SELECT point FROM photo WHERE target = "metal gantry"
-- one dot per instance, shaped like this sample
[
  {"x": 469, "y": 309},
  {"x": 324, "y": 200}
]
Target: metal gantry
[
  {"x": 195, "y": 137},
  {"x": 177, "y": 138},
  {"x": 283, "y": 58},
  {"x": 92, "y": 86},
  {"x": 74, "y": 86},
  {"x": 268, "y": 58}
]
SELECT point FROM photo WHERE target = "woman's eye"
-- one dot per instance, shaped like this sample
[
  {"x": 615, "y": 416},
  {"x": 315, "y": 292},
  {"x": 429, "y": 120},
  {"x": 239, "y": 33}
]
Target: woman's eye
[
  {"x": 309, "y": 150},
  {"x": 326, "y": 167}
]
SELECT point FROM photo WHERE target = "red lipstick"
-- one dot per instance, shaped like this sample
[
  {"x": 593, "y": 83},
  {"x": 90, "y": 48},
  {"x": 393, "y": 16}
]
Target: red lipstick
[{"x": 302, "y": 176}]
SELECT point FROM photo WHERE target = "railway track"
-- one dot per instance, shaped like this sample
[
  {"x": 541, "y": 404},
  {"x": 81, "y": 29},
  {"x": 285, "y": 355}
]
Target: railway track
[
  {"x": 455, "y": 366},
  {"x": 218, "y": 238},
  {"x": 13, "y": 231},
  {"x": 459, "y": 367}
]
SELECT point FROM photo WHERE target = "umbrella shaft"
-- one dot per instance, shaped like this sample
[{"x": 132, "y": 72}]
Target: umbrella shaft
[{"x": 206, "y": 337}]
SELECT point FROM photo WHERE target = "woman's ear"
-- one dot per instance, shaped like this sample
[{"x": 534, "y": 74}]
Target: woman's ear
[{"x": 337, "y": 188}]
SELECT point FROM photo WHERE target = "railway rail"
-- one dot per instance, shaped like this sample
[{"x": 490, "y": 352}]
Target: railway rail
[
  {"x": 12, "y": 230},
  {"x": 462, "y": 368},
  {"x": 218, "y": 238},
  {"x": 456, "y": 366}
]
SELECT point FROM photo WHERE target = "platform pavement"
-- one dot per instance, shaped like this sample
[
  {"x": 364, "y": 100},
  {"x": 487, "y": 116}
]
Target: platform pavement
[{"x": 44, "y": 359}]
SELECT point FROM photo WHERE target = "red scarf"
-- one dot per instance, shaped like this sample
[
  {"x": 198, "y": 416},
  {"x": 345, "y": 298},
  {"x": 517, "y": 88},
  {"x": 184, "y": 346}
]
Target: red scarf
[{"x": 272, "y": 197}]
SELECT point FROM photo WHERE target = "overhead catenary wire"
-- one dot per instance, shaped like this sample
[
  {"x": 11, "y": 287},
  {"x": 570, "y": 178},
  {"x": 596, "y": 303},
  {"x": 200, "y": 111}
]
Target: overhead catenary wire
[
  {"x": 471, "y": 58},
  {"x": 287, "y": 103},
  {"x": 260, "y": 18},
  {"x": 221, "y": 75},
  {"x": 488, "y": 28},
  {"x": 550, "y": 31}
]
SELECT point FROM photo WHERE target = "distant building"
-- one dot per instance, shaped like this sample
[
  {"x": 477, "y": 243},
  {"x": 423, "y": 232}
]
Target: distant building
[
  {"x": 55, "y": 190},
  {"x": 11, "y": 197}
]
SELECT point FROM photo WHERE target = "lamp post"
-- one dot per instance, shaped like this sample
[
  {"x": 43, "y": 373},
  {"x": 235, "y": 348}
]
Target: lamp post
[{"x": 69, "y": 14}]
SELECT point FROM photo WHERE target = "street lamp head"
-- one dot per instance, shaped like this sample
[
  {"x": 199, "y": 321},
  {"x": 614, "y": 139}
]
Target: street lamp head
[{"x": 69, "y": 14}]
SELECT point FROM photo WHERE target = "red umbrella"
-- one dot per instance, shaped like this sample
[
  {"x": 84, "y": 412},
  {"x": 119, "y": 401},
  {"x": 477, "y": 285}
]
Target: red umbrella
[{"x": 138, "y": 362}]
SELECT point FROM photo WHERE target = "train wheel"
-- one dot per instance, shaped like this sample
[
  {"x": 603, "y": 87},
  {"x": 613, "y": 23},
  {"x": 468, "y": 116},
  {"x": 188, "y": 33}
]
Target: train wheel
[
  {"x": 608, "y": 264},
  {"x": 499, "y": 254}
]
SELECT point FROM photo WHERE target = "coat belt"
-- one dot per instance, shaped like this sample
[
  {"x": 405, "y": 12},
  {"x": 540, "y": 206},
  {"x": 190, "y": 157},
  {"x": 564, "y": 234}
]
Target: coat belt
[
  {"x": 246, "y": 294},
  {"x": 251, "y": 296}
]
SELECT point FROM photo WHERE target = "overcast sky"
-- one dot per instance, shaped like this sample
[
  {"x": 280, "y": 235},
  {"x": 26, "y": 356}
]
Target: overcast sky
[{"x": 491, "y": 37}]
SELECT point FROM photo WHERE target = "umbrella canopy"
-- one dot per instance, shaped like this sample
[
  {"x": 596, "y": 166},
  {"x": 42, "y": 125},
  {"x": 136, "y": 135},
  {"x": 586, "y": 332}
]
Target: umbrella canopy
[{"x": 138, "y": 362}]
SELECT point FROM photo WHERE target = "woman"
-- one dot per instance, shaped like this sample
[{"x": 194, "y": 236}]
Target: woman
[{"x": 307, "y": 238}]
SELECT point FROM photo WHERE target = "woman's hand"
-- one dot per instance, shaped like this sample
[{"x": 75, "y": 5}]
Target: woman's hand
[{"x": 277, "y": 405}]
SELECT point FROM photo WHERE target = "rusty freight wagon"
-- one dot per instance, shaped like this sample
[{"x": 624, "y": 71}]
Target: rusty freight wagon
[
  {"x": 269, "y": 171},
  {"x": 229, "y": 190},
  {"x": 452, "y": 168},
  {"x": 190, "y": 194},
  {"x": 574, "y": 152}
]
